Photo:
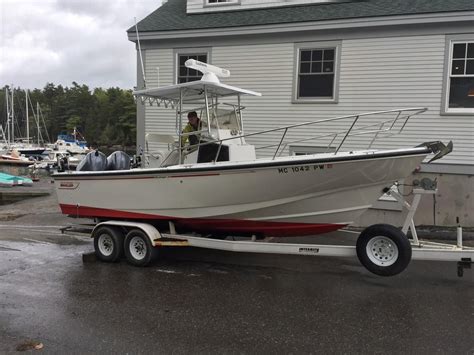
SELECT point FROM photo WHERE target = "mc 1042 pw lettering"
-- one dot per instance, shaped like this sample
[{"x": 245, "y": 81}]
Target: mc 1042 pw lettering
[{"x": 303, "y": 168}]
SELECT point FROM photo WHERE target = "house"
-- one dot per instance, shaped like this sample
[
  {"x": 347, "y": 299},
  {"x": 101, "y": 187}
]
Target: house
[{"x": 317, "y": 59}]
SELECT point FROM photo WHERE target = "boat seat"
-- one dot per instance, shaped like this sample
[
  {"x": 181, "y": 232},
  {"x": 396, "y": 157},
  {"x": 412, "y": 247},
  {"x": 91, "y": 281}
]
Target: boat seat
[
  {"x": 160, "y": 158},
  {"x": 163, "y": 158},
  {"x": 159, "y": 138}
]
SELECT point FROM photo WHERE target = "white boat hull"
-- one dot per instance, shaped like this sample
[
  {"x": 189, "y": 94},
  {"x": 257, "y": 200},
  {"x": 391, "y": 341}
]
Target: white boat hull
[{"x": 281, "y": 197}]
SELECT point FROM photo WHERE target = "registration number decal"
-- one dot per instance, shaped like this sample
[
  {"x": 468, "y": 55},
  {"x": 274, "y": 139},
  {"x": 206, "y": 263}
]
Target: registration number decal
[{"x": 304, "y": 168}]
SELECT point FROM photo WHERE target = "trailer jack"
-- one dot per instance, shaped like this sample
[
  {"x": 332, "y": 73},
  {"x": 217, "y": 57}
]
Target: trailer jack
[{"x": 465, "y": 263}]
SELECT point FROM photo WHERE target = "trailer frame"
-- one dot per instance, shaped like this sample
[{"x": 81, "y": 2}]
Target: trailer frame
[{"x": 148, "y": 236}]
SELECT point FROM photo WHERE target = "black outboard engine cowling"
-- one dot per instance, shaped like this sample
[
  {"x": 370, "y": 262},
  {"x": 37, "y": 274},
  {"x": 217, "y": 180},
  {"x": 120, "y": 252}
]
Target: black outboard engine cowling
[
  {"x": 94, "y": 161},
  {"x": 118, "y": 161}
]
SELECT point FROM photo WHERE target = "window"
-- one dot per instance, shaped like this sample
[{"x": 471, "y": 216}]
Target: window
[
  {"x": 309, "y": 149},
  {"x": 218, "y": 2},
  {"x": 460, "y": 77},
  {"x": 317, "y": 73},
  {"x": 185, "y": 74}
]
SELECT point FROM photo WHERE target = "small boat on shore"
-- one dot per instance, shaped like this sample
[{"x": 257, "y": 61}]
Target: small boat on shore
[{"x": 7, "y": 180}]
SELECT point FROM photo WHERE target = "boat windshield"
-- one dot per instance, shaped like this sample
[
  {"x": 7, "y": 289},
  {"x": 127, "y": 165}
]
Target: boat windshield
[{"x": 224, "y": 119}]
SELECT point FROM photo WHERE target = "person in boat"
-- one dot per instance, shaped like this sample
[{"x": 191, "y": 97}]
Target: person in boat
[{"x": 194, "y": 124}]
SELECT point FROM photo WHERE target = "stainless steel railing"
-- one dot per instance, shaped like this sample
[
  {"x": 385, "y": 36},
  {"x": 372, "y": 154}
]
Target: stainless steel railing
[{"x": 374, "y": 125}]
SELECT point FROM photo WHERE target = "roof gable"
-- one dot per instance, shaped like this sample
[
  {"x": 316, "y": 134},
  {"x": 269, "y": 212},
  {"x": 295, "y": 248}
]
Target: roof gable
[{"x": 172, "y": 15}]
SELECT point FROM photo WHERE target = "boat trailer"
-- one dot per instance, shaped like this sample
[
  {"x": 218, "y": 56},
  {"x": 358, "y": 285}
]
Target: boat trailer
[{"x": 383, "y": 249}]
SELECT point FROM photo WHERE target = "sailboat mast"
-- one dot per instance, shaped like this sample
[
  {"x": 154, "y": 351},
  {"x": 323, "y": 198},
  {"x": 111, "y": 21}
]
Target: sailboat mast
[
  {"x": 27, "y": 120},
  {"x": 37, "y": 121},
  {"x": 7, "y": 99},
  {"x": 13, "y": 118}
]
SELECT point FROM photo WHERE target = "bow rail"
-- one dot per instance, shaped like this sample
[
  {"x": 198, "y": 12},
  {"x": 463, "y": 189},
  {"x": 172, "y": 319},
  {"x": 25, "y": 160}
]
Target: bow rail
[
  {"x": 371, "y": 125},
  {"x": 382, "y": 128}
]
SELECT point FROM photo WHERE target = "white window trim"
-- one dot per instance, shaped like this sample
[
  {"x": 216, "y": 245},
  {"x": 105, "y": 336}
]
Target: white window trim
[
  {"x": 450, "y": 42},
  {"x": 178, "y": 51},
  {"x": 337, "y": 69}
]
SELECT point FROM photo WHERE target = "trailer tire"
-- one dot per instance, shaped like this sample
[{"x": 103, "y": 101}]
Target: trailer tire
[
  {"x": 383, "y": 249},
  {"x": 138, "y": 248},
  {"x": 108, "y": 244}
]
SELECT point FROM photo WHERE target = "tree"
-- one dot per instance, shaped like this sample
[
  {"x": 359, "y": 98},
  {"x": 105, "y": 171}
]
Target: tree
[{"x": 106, "y": 116}]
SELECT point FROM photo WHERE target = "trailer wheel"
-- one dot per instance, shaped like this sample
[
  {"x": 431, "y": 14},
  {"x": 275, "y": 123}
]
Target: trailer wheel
[
  {"x": 383, "y": 249},
  {"x": 108, "y": 244},
  {"x": 138, "y": 248}
]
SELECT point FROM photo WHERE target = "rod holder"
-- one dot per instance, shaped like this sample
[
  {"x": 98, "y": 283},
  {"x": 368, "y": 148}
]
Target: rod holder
[{"x": 458, "y": 234}]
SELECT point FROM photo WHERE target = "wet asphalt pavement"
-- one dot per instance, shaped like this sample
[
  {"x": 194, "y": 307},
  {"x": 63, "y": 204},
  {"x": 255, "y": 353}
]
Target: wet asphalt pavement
[{"x": 198, "y": 301}]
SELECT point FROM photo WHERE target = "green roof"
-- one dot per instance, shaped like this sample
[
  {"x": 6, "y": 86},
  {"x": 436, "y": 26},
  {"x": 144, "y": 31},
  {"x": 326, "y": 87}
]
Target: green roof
[{"x": 172, "y": 15}]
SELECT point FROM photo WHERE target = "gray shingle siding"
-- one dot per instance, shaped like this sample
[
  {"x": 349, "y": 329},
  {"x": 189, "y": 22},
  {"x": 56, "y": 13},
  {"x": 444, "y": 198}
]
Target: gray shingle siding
[{"x": 172, "y": 15}]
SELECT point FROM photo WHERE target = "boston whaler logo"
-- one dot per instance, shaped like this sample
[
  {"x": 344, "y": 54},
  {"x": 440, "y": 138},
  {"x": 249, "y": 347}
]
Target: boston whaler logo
[
  {"x": 306, "y": 250},
  {"x": 68, "y": 185}
]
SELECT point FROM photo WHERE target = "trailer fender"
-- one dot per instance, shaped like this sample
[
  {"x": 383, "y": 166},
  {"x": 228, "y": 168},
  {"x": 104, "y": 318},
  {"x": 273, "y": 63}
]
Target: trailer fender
[{"x": 148, "y": 229}]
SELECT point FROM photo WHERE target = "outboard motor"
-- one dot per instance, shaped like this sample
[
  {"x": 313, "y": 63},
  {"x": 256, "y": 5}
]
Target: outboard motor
[
  {"x": 62, "y": 164},
  {"x": 136, "y": 161},
  {"x": 94, "y": 161},
  {"x": 118, "y": 161}
]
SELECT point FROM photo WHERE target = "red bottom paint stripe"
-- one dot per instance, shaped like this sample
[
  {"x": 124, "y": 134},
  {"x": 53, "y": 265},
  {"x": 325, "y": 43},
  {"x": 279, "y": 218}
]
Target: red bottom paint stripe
[
  {"x": 92, "y": 212},
  {"x": 231, "y": 226}
]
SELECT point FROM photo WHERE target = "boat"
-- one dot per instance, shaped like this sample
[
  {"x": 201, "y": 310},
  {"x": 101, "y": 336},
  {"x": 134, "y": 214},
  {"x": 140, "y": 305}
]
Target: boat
[
  {"x": 219, "y": 186},
  {"x": 4, "y": 146},
  {"x": 7, "y": 180},
  {"x": 68, "y": 150},
  {"x": 25, "y": 146},
  {"x": 28, "y": 149},
  {"x": 13, "y": 157},
  {"x": 71, "y": 143},
  {"x": 53, "y": 158}
]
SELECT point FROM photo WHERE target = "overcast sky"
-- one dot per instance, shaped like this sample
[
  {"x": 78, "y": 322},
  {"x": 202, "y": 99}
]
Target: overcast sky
[{"x": 61, "y": 41}]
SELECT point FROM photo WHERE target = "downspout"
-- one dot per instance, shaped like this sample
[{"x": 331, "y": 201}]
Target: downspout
[
  {"x": 179, "y": 124},
  {"x": 141, "y": 83}
]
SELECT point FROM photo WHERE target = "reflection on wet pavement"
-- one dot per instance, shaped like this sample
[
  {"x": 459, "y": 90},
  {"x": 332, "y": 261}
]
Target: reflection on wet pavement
[{"x": 201, "y": 301}]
